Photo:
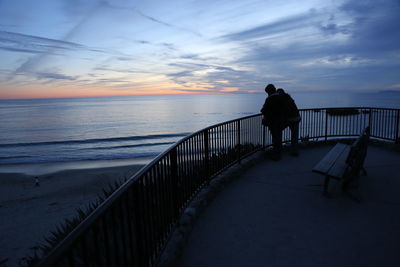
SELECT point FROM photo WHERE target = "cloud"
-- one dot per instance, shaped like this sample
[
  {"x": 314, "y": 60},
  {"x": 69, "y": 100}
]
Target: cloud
[
  {"x": 110, "y": 5},
  {"x": 215, "y": 78},
  {"x": 289, "y": 23},
  {"x": 107, "y": 69},
  {"x": 17, "y": 42},
  {"x": 345, "y": 46},
  {"x": 56, "y": 76},
  {"x": 333, "y": 29},
  {"x": 19, "y": 50},
  {"x": 375, "y": 24},
  {"x": 166, "y": 23}
]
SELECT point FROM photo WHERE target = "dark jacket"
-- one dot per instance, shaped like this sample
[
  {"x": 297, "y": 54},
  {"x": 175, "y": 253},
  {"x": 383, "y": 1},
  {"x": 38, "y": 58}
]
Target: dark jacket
[
  {"x": 274, "y": 111},
  {"x": 279, "y": 109},
  {"x": 291, "y": 111}
]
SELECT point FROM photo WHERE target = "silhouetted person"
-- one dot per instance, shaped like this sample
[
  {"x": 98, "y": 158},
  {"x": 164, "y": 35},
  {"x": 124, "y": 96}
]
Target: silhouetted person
[
  {"x": 274, "y": 118},
  {"x": 280, "y": 111}
]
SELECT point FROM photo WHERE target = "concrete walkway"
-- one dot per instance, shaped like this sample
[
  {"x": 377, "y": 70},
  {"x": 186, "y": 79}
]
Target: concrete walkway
[{"x": 275, "y": 215}]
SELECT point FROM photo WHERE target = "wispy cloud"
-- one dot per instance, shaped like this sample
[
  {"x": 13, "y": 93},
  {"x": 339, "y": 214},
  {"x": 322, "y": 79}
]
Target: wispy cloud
[
  {"x": 280, "y": 26},
  {"x": 57, "y": 76},
  {"x": 166, "y": 23},
  {"x": 113, "y": 69},
  {"x": 136, "y": 10},
  {"x": 215, "y": 78},
  {"x": 12, "y": 41}
]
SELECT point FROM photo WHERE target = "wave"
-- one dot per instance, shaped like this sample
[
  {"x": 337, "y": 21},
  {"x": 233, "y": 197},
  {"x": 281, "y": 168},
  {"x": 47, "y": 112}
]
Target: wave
[
  {"x": 130, "y": 146},
  {"x": 14, "y": 157},
  {"x": 34, "y": 160},
  {"x": 98, "y": 140}
]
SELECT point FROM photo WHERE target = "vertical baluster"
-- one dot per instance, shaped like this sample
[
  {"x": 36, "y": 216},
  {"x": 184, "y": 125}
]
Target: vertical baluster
[
  {"x": 203, "y": 157},
  {"x": 97, "y": 246},
  {"x": 383, "y": 127},
  {"x": 157, "y": 208},
  {"x": 321, "y": 122},
  {"x": 174, "y": 180},
  {"x": 387, "y": 124},
  {"x": 184, "y": 172},
  {"x": 189, "y": 165},
  {"x": 145, "y": 218},
  {"x": 188, "y": 176},
  {"x": 129, "y": 209},
  {"x": 215, "y": 150},
  {"x": 115, "y": 234},
  {"x": 107, "y": 244},
  {"x": 206, "y": 153},
  {"x": 83, "y": 244},
  {"x": 160, "y": 204},
  {"x": 219, "y": 148},
  {"x": 200, "y": 167},
  {"x": 195, "y": 163},
  {"x": 123, "y": 231},
  {"x": 71, "y": 260},
  {"x": 238, "y": 139},
  {"x": 227, "y": 143},
  {"x": 154, "y": 210},
  {"x": 383, "y": 120},
  {"x": 326, "y": 124},
  {"x": 397, "y": 137},
  {"x": 168, "y": 190}
]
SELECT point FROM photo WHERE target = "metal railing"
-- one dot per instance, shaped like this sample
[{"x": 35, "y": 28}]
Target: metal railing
[{"x": 132, "y": 226}]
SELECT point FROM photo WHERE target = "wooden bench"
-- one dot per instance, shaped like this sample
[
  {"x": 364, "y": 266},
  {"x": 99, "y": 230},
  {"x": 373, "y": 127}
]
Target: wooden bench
[{"x": 344, "y": 162}]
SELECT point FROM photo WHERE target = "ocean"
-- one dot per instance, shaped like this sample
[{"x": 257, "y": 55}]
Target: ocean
[{"x": 134, "y": 128}]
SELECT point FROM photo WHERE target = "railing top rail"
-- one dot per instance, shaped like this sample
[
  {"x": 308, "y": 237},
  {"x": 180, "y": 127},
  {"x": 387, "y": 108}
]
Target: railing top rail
[{"x": 326, "y": 108}]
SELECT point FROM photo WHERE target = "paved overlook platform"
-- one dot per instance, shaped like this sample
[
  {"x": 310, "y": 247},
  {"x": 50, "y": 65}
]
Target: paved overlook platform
[{"x": 274, "y": 214}]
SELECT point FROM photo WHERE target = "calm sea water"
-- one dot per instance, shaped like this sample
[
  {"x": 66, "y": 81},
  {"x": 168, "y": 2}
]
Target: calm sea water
[{"x": 66, "y": 130}]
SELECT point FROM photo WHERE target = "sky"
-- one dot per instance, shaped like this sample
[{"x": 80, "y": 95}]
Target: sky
[{"x": 79, "y": 48}]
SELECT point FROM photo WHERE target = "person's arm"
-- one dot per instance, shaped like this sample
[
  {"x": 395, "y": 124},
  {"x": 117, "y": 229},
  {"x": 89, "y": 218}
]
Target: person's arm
[{"x": 264, "y": 107}]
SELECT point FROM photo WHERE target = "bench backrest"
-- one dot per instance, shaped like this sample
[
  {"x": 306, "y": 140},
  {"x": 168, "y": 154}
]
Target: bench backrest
[{"x": 358, "y": 152}]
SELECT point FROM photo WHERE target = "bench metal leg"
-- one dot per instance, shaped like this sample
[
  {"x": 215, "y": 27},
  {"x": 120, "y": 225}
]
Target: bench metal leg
[
  {"x": 326, "y": 185},
  {"x": 364, "y": 172},
  {"x": 347, "y": 184}
]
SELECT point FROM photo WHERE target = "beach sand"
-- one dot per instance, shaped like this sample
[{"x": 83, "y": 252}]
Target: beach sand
[{"x": 28, "y": 212}]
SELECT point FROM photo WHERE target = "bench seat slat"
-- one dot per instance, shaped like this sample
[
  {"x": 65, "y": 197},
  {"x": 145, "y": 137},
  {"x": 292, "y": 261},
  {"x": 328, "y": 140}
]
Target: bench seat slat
[
  {"x": 327, "y": 162},
  {"x": 339, "y": 167}
]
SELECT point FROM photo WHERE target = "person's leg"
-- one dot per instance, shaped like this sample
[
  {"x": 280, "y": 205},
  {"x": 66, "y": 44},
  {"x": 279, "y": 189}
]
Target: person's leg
[
  {"x": 294, "y": 130},
  {"x": 276, "y": 134}
]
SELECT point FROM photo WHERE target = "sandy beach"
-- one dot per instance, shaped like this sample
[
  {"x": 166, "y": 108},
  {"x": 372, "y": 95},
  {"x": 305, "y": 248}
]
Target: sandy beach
[{"x": 29, "y": 212}]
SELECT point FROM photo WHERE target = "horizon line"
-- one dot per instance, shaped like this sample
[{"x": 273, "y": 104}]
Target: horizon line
[{"x": 198, "y": 93}]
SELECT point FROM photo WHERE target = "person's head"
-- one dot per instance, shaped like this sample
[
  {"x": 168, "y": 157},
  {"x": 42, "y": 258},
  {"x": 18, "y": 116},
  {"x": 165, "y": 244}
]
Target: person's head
[
  {"x": 280, "y": 91},
  {"x": 270, "y": 89}
]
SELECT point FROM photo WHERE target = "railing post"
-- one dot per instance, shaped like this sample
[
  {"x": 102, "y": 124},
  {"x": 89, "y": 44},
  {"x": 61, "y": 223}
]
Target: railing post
[
  {"x": 238, "y": 139},
  {"x": 263, "y": 137},
  {"x": 326, "y": 125},
  {"x": 206, "y": 154},
  {"x": 174, "y": 181},
  {"x": 397, "y": 140},
  {"x": 370, "y": 120}
]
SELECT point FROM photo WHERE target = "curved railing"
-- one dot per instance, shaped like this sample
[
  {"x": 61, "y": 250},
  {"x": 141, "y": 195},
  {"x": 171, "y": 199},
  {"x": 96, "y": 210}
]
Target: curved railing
[{"x": 133, "y": 225}]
